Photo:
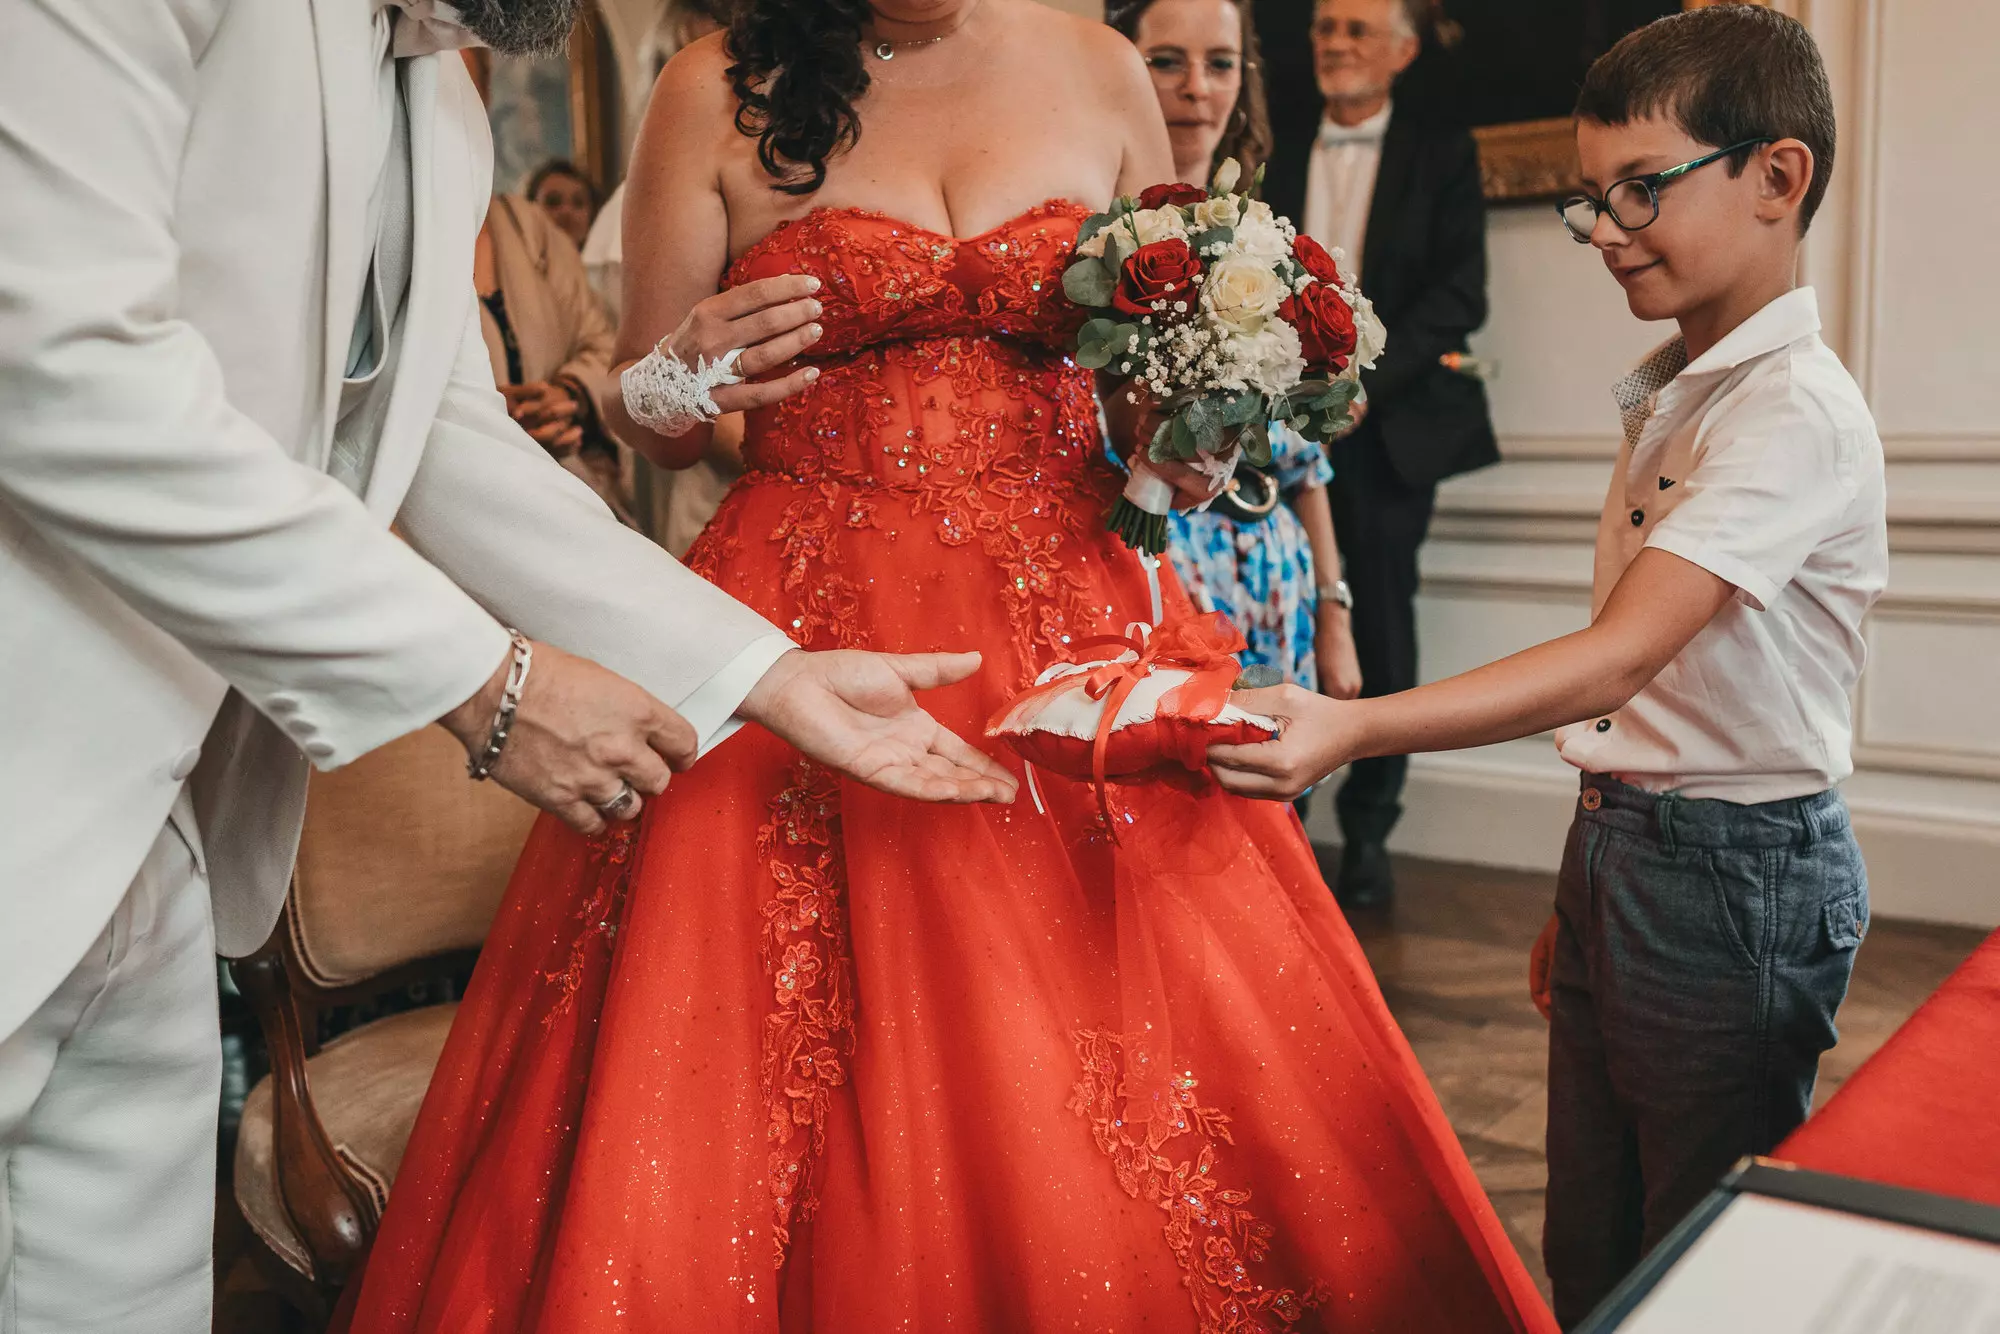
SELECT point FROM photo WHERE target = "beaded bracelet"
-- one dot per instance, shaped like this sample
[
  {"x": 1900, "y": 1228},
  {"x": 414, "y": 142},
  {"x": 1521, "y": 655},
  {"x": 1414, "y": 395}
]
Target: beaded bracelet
[{"x": 481, "y": 766}]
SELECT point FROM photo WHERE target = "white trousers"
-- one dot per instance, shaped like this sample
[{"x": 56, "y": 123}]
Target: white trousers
[{"x": 108, "y": 1103}]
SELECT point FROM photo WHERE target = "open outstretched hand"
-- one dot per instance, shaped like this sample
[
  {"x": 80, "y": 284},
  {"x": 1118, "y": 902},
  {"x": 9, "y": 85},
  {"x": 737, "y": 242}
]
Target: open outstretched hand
[{"x": 856, "y": 712}]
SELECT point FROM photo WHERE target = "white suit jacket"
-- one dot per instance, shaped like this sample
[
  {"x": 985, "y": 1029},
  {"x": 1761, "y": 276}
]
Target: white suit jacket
[{"x": 182, "y": 207}]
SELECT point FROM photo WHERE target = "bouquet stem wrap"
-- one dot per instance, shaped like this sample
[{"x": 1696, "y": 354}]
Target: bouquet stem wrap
[{"x": 1140, "y": 515}]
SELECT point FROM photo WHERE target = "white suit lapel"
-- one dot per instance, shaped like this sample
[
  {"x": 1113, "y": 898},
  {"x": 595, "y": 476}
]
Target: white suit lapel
[
  {"x": 448, "y": 195},
  {"x": 343, "y": 32}
]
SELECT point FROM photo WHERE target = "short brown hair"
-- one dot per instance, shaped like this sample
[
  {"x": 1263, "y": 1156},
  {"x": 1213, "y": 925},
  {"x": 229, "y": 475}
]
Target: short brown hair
[
  {"x": 1725, "y": 73},
  {"x": 1247, "y": 138}
]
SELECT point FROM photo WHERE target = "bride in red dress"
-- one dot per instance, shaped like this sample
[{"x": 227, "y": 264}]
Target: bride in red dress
[{"x": 790, "y": 1054}]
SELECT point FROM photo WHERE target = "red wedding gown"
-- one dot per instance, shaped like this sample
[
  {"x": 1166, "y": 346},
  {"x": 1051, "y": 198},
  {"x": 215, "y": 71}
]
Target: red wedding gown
[{"x": 790, "y": 1054}]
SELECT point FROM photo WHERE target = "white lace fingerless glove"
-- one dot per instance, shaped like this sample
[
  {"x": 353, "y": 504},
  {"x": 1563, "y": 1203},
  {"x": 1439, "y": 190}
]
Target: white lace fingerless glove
[{"x": 666, "y": 395}]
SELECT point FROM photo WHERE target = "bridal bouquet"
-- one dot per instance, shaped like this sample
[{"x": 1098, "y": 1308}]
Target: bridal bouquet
[{"x": 1228, "y": 319}]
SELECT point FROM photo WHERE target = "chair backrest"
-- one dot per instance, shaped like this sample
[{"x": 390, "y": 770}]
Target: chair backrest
[{"x": 402, "y": 857}]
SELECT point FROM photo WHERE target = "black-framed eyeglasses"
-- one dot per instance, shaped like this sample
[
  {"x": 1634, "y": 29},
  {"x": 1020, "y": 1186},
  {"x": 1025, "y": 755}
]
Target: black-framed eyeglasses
[{"x": 1634, "y": 203}]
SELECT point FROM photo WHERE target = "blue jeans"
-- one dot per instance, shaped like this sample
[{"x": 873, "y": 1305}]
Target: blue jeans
[{"x": 1702, "y": 949}]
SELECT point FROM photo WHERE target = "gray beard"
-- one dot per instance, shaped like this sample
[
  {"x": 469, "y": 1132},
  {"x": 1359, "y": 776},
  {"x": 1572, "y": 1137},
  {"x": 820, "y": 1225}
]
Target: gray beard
[{"x": 520, "y": 27}]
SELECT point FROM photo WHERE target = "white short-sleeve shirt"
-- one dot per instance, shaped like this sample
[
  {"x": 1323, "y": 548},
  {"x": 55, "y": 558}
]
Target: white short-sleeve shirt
[{"x": 1760, "y": 463}]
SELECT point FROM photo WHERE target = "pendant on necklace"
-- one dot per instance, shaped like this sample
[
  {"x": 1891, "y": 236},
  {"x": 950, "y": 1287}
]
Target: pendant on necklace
[{"x": 885, "y": 50}]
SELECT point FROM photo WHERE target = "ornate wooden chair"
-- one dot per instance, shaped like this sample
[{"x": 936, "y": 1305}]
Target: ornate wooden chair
[{"x": 401, "y": 866}]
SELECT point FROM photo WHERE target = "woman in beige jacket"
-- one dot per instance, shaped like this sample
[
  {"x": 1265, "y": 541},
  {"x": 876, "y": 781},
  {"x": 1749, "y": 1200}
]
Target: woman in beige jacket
[{"x": 550, "y": 343}]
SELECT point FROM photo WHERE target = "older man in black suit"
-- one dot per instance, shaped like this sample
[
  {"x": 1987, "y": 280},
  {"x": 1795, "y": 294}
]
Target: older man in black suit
[{"x": 1400, "y": 194}]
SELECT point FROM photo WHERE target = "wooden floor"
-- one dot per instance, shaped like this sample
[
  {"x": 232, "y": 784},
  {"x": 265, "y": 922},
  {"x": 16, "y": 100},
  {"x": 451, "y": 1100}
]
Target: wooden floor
[
  {"x": 1452, "y": 955},
  {"x": 1452, "y": 959}
]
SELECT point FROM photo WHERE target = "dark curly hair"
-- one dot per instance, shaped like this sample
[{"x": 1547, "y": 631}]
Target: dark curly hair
[
  {"x": 1247, "y": 137},
  {"x": 797, "y": 71}
]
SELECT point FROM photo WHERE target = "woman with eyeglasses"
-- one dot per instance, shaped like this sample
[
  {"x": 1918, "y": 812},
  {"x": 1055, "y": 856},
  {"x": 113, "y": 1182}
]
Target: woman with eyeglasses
[{"x": 1254, "y": 554}]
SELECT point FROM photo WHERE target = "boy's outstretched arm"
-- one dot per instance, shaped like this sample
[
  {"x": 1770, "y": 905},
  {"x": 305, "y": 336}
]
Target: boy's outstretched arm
[{"x": 1660, "y": 604}]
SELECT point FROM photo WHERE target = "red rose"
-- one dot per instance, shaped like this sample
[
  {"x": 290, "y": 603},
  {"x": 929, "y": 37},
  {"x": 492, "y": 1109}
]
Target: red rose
[
  {"x": 1325, "y": 325},
  {"x": 1178, "y": 193},
  {"x": 1312, "y": 257},
  {"x": 1163, "y": 271}
]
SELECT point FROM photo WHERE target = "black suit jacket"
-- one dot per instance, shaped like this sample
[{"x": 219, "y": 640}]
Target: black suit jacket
[{"x": 1424, "y": 267}]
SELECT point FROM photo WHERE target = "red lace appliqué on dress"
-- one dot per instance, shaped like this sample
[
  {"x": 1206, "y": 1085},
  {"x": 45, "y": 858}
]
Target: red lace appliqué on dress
[
  {"x": 968, "y": 418},
  {"x": 614, "y": 859},
  {"x": 1210, "y": 1229},
  {"x": 809, "y": 1034}
]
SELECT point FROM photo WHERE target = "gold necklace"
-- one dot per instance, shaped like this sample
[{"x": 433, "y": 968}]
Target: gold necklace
[{"x": 886, "y": 50}]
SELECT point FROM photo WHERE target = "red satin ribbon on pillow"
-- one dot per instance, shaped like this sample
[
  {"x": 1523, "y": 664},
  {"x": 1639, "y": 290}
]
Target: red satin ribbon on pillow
[{"x": 1204, "y": 645}]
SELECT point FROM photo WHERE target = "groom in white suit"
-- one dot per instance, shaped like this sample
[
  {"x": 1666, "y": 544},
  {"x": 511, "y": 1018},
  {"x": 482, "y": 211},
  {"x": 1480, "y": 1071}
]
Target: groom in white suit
[{"x": 237, "y": 341}]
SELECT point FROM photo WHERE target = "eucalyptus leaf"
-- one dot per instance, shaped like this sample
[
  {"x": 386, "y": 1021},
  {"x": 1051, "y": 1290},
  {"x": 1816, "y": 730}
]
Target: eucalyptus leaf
[
  {"x": 1204, "y": 419},
  {"x": 1241, "y": 409},
  {"x": 1161, "y": 448},
  {"x": 1094, "y": 224},
  {"x": 1256, "y": 443},
  {"x": 1097, "y": 342},
  {"x": 1335, "y": 397},
  {"x": 1086, "y": 283},
  {"x": 1118, "y": 247},
  {"x": 1201, "y": 241},
  {"x": 1182, "y": 440}
]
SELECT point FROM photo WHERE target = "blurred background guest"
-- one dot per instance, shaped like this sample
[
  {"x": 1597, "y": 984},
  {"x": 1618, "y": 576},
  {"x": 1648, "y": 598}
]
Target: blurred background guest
[
  {"x": 549, "y": 342},
  {"x": 1254, "y": 554},
  {"x": 567, "y": 195},
  {"x": 1398, "y": 191},
  {"x": 676, "y": 506}
]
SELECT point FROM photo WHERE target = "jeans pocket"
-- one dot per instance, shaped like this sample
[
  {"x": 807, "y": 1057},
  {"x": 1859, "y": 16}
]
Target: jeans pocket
[
  {"x": 1736, "y": 884},
  {"x": 1845, "y": 921}
]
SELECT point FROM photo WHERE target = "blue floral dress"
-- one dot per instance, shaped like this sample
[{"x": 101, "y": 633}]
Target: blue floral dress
[{"x": 1259, "y": 575}]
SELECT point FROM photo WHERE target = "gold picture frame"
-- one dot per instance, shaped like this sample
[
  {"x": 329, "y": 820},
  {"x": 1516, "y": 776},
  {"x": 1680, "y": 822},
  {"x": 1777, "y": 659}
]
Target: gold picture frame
[
  {"x": 562, "y": 105},
  {"x": 1534, "y": 160}
]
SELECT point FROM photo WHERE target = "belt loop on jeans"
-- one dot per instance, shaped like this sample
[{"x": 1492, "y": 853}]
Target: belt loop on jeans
[{"x": 1663, "y": 819}]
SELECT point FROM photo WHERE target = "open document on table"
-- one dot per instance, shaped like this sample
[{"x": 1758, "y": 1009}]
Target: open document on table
[{"x": 1779, "y": 1267}]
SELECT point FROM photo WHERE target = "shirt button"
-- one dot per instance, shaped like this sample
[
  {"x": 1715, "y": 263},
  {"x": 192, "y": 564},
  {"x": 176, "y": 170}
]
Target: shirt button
[
  {"x": 320, "y": 750},
  {"x": 1592, "y": 799},
  {"x": 184, "y": 763},
  {"x": 1604, "y": 724},
  {"x": 1638, "y": 518}
]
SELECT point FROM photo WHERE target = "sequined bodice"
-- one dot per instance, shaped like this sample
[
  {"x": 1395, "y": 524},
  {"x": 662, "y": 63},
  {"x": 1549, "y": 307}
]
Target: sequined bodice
[
  {"x": 937, "y": 349},
  {"x": 886, "y": 280},
  {"x": 947, "y": 412}
]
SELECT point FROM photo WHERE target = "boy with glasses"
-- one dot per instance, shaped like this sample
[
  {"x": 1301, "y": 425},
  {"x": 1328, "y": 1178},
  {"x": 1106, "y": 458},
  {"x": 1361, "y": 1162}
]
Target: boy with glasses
[{"x": 1712, "y": 894}]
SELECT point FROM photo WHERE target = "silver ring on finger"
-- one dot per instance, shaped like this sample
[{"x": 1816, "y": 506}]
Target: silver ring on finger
[{"x": 622, "y": 806}]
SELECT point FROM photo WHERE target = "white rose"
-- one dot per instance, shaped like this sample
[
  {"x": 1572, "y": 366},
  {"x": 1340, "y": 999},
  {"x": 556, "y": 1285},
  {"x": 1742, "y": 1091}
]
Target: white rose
[
  {"x": 1226, "y": 175},
  {"x": 1221, "y": 211},
  {"x": 1370, "y": 338},
  {"x": 1160, "y": 224},
  {"x": 1094, "y": 246},
  {"x": 1261, "y": 235},
  {"x": 1242, "y": 294}
]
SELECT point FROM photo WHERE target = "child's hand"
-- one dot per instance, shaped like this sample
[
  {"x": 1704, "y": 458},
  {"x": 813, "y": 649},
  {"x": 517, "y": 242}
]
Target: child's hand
[{"x": 1316, "y": 736}]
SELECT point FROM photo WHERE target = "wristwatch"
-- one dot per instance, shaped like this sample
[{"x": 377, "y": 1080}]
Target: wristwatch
[{"x": 1337, "y": 593}]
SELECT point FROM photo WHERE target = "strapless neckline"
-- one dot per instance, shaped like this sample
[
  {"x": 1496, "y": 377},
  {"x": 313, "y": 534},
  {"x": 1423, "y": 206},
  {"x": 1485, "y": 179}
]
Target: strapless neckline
[{"x": 770, "y": 238}]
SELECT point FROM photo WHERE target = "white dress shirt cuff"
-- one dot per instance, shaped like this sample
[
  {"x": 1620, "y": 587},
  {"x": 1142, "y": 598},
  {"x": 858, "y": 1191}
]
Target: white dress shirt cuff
[{"x": 711, "y": 709}]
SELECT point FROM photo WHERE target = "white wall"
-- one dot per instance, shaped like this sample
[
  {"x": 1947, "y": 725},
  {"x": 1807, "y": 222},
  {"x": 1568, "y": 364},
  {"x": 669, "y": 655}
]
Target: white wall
[{"x": 1904, "y": 260}]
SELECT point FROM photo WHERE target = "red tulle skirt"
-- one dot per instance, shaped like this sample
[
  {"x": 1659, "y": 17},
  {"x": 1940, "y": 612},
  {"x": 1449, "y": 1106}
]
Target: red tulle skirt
[{"x": 791, "y": 1055}]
